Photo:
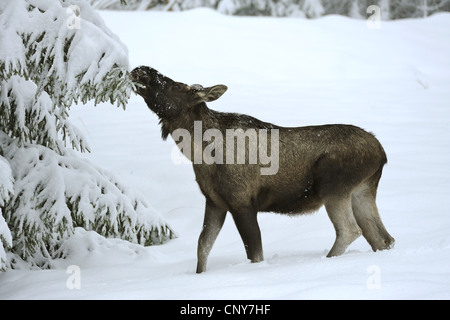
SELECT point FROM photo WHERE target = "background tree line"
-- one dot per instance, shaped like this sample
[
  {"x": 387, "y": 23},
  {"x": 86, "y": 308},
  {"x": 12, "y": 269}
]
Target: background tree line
[{"x": 391, "y": 9}]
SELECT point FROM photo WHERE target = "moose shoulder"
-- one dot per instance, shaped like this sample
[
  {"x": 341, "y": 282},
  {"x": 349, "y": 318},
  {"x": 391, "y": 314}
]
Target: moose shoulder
[{"x": 244, "y": 166}]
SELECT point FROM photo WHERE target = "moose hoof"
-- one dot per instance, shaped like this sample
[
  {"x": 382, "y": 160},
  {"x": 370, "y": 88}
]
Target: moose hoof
[{"x": 385, "y": 244}]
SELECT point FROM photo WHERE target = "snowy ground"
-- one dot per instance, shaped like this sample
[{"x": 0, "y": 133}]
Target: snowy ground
[{"x": 394, "y": 82}]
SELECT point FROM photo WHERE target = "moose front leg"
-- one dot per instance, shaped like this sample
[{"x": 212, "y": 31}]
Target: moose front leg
[
  {"x": 247, "y": 225},
  {"x": 212, "y": 224}
]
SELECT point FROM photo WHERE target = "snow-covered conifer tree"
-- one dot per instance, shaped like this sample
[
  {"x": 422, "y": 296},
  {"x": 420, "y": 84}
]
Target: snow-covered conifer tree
[
  {"x": 54, "y": 53},
  {"x": 6, "y": 189}
]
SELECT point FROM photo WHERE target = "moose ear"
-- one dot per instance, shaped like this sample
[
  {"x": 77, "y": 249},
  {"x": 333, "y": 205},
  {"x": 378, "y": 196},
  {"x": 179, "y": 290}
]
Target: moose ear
[{"x": 212, "y": 93}]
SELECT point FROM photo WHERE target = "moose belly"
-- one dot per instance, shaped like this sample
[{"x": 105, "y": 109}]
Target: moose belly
[{"x": 297, "y": 201}]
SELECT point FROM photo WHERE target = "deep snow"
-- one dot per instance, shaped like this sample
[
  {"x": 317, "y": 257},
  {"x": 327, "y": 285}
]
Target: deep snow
[{"x": 394, "y": 82}]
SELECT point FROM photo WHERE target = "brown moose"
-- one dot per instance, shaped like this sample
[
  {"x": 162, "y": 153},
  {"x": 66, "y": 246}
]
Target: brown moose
[{"x": 336, "y": 165}]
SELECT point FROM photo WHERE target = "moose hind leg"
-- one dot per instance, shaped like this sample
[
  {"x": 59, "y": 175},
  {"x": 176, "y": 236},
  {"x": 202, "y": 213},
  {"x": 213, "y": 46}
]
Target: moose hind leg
[
  {"x": 366, "y": 214},
  {"x": 212, "y": 224},
  {"x": 347, "y": 230}
]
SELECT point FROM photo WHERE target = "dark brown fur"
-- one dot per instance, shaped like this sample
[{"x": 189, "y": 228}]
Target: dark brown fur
[{"x": 338, "y": 166}]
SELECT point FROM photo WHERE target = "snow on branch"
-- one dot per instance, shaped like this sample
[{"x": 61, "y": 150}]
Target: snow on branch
[
  {"x": 68, "y": 58},
  {"x": 6, "y": 191},
  {"x": 41, "y": 37},
  {"x": 32, "y": 117},
  {"x": 55, "y": 193}
]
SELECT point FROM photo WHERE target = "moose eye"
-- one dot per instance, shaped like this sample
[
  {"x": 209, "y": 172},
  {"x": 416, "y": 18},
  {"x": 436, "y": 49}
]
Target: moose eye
[{"x": 177, "y": 87}]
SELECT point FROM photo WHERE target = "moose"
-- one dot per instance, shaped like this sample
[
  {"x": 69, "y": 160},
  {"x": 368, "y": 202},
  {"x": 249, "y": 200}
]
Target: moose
[{"x": 335, "y": 165}]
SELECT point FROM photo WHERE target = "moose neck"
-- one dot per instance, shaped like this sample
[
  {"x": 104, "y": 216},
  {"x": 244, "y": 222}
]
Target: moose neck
[{"x": 186, "y": 120}]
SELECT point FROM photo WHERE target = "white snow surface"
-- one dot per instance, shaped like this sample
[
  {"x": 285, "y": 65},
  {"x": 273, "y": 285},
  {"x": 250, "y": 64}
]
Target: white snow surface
[{"x": 394, "y": 82}]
